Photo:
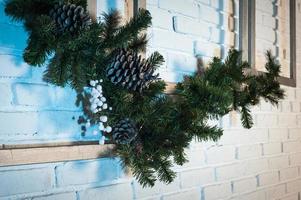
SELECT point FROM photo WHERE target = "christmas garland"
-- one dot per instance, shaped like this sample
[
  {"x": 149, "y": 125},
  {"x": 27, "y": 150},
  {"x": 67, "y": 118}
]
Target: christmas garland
[{"x": 120, "y": 91}]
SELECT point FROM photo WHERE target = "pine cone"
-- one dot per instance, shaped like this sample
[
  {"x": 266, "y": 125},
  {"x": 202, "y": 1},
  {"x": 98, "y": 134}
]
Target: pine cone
[
  {"x": 70, "y": 17},
  {"x": 129, "y": 71},
  {"x": 124, "y": 132}
]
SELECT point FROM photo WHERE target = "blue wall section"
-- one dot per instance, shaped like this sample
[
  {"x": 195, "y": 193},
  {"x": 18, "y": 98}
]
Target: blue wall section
[{"x": 32, "y": 111}]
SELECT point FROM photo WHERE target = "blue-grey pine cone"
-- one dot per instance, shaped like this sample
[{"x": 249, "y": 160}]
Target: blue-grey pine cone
[
  {"x": 124, "y": 132},
  {"x": 70, "y": 17},
  {"x": 129, "y": 71}
]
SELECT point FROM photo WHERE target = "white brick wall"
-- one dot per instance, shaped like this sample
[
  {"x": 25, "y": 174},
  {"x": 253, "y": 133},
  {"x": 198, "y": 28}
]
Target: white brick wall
[{"x": 263, "y": 163}]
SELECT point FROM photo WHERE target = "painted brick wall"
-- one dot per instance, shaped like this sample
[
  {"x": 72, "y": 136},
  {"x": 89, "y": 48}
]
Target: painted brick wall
[{"x": 263, "y": 163}]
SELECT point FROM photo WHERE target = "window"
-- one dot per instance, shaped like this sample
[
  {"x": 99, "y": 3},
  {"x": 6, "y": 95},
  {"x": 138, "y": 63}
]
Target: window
[
  {"x": 269, "y": 25},
  {"x": 21, "y": 152}
]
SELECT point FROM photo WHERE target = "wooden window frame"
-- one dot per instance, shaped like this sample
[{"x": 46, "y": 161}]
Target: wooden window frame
[
  {"x": 247, "y": 31},
  {"x": 20, "y": 154}
]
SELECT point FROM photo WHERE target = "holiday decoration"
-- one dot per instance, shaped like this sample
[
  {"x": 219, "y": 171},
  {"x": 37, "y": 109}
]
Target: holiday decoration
[
  {"x": 150, "y": 128},
  {"x": 124, "y": 131},
  {"x": 69, "y": 17},
  {"x": 130, "y": 71}
]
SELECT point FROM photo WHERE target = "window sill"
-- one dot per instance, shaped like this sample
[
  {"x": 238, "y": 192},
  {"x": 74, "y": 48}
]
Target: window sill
[{"x": 25, "y": 154}]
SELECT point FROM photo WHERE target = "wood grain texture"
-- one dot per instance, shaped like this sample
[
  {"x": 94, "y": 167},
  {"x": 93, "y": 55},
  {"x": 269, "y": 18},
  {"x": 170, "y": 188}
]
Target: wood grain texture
[{"x": 54, "y": 154}]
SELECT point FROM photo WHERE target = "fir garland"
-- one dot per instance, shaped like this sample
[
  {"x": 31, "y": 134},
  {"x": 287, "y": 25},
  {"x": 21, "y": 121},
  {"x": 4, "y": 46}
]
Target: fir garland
[{"x": 150, "y": 129}]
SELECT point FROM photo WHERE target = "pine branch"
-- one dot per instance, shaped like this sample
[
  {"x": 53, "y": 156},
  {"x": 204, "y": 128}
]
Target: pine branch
[
  {"x": 129, "y": 31},
  {"x": 204, "y": 132},
  {"x": 111, "y": 24},
  {"x": 28, "y": 9},
  {"x": 57, "y": 71},
  {"x": 246, "y": 117},
  {"x": 155, "y": 60},
  {"x": 138, "y": 43},
  {"x": 165, "y": 174}
]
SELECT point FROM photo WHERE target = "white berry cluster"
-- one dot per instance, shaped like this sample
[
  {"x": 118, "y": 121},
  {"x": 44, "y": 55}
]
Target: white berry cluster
[{"x": 98, "y": 104}]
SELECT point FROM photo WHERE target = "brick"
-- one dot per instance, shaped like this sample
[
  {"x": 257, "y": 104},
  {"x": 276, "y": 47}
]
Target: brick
[
  {"x": 192, "y": 178},
  {"x": 210, "y": 15},
  {"x": 61, "y": 196},
  {"x": 278, "y": 135},
  {"x": 161, "y": 18},
  {"x": 294, "y": 133},
  {"x": 217, "y": 191},
  {"x": 217, "y": 35},
  {"x": 65, "y": 98},
  {"x": 196, "y": 158},
  {"x": 93, "y": 171},
  {"x": 158, "y": 189},
  {"x": 5, "y": 155},
  {"x": 249, "y": 151},
  {"x": 257, "y": 136},
  {"x": 171, "y": 40},
  {"x": 291, "y": 146},
  {"x": 296, "y": 107},
  {"x": 220, "y": 154},
  {"x": 189, "y": 194},
  {"x": 207, "y": 49},
  {"x": 265, "y": 6},
  {"x": 229, "y": 171},
  {"x": 25, "y": 180},
  {"x": 186, "y": 25},
  {"x": 6, "y": 95},
  {"x": 289, "y": 173},
  {"x": 257, "y": 195},
  {"x": 275, "y": 191},
  {"x": 184, "y": 7},
  {"x": 244, "y": 185},
  {"x": 112, "y": 192},
  {"x": 278, "y": 162},
  {"x": 181, "y": 62},
  {"x": 287, "y": 120},
  {"x": 255, "y": 166},
  {"x": 293, "y": 186},
  {"x": 58, "y": 122},
  {"x": 266, "y": 33},
  {"x": 295, "y": 159},
  {"x": 230, "y": 39},
  {"x": 290, "y": 93},
  {"x": 290, "y": 197},
  {"x": 268, "y": 178},
  {"x": 272, "y": 148},
  {"x": 34, "y": 94},
  {"x": 269, "y": 21},
  {"x": 286, "y": 106},
  {"x": 266, "y": 120},
  {"x": 18, "y": 122},
  {"x": 13, "y": 66}
]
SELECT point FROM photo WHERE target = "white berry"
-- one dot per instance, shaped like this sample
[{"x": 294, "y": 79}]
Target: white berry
[
  {"x": 99, "y": 103},
  {"x": 92, "y": 83},
  {"x": 105, "y": 106},
  {"x": 103, "y": 118},
  {"x": 101, "y": 127},
  {"x": 93, "y": 106},
  {"x": 108, "y": 129},
  {"x": 99, "y": 88},
  {"x": 103, "y": 99}
]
